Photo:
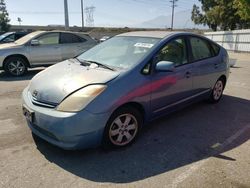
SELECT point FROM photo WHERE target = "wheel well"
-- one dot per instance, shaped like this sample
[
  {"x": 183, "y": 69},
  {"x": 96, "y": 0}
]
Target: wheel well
[
  {"x": 16, "y": 55},
  {"x": 224, "y": 79},
  {"x": 135, "y": 105}
]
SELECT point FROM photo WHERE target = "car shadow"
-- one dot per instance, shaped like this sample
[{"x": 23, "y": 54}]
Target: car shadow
[
  {"x": 179, "y": 139},
  {"x": 30, "y": 74}
]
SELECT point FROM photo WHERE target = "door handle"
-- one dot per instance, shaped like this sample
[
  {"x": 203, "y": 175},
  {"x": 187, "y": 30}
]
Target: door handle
[
  {"x": 188, "y": 74},
  {"x": 216, "y": 65}
]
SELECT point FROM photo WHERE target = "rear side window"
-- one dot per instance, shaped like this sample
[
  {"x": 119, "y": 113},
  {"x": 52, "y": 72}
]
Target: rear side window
[
  {"x": 200, "y": 49},
  {"x": 216, "y": 49},
  {"x": 68, "y": 38}
]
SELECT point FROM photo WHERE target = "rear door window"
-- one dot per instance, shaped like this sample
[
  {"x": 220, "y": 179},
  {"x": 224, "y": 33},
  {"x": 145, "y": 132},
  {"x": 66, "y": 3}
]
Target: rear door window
[
  {"x": 200, "y": 49},
  {"x": 68, "y": 38}
]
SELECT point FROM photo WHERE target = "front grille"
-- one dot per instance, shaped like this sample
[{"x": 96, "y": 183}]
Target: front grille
[{"x": 41, "y": 103}]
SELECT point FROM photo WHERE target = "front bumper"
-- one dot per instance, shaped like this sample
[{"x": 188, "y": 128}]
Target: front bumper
[{"x": 67, "y": 130}]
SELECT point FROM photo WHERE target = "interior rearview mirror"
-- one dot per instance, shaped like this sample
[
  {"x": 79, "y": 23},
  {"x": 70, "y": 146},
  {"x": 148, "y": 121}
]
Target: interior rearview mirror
[
  {"x": 164, "y": 66},
  {"x": 34, "y": 42}
]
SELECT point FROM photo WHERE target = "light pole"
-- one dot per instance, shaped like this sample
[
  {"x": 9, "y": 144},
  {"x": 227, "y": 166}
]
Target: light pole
[
  {"x": 173, "y": 7},
  {"x": 82, "y": 8},
  {"x": 66, "y": 13}
]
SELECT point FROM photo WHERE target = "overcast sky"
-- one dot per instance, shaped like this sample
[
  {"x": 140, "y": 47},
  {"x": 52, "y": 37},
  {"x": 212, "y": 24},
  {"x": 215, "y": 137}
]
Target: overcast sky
[{"x": 117, "y": 13}]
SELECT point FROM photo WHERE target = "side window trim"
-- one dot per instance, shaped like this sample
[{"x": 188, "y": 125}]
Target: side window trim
[{"x": 60, "y": 38}]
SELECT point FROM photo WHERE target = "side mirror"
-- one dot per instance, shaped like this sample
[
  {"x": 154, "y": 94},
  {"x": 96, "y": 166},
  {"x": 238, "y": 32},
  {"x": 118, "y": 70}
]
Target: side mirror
[
  {"x": 34, "y": 42},
  {"x": 165, "y": 66}
]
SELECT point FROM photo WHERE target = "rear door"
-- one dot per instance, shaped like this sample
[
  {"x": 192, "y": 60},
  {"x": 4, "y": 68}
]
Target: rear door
[
  {"x": 47, "y": 52},
  {"x": 73, "y": 45},
  {"x": 87, "y": 43},
  {"x": 206, "y": 63}
]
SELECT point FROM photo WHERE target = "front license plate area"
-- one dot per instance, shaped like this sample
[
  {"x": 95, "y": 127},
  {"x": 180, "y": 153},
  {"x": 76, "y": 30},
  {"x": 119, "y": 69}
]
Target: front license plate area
[{"x": 28, "y": 114}]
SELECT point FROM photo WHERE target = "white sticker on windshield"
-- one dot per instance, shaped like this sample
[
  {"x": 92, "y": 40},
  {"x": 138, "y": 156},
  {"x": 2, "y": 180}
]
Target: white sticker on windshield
[{"x": 144, "y": 45}]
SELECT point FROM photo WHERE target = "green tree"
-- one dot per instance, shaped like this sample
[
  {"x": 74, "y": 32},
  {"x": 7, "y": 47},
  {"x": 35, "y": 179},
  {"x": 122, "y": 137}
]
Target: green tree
[
  {"x": 223, "y": 14},
  {"x": 4, "y": 17},
  {"x": 243, "y": 10}
]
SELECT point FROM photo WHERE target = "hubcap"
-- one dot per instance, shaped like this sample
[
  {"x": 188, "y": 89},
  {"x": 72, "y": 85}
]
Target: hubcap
[
  {"x": 16, "y": 67},
  {"x": 123, "y": 129},
  {"x": 218, "y": 89}
]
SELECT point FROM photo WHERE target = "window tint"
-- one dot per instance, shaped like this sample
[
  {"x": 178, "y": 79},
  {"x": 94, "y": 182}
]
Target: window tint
[
  {"x": 216, "y": 49},
  {"x": 200, "y": 48},
  {"x": 67, "y": 38},
  {"x": 18, "y": 36},
  {"x": 51, "y": 38},
  {"x": 174, "y": 51}
]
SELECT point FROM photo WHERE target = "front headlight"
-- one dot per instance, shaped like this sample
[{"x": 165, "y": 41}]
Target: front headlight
[{"x": 81, "y": 98}]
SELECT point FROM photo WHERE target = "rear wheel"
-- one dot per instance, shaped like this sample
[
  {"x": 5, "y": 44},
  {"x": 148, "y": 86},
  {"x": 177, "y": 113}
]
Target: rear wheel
[
  {"x": 217, "y": 91},
  {"x": 15, "y": 66},
  {"x": 123, "y": 127}
]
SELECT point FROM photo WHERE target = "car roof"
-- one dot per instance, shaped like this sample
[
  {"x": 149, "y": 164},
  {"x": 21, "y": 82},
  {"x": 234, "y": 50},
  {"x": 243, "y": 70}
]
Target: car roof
[
  {"x": 8, "y": 33},
  {"x": 37, "y": 32},
  {"x": 154, "y": 34},
  {"x": 59, "y": 31}
]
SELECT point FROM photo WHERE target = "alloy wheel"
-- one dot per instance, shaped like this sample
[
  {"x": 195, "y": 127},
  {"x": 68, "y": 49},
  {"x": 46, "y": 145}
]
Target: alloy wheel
[
  {"x": 123, "y": 129},
  {"x": 218, "y": 90},
  {"x": 16, "y": 67}
]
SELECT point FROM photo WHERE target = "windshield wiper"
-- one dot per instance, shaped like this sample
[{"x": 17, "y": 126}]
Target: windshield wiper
[
  {"x": 97, "y": 63},
  {"x": 85, "y": 63}
]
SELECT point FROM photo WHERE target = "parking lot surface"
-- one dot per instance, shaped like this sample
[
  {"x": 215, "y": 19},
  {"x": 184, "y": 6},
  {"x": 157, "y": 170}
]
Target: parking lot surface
[{"x": 202, "y": 145}]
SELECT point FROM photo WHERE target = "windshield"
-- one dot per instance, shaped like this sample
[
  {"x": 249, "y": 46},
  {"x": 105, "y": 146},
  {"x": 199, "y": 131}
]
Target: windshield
[
  {"x": 121, "y": 52},
  {"x": 26, "y": 38}
]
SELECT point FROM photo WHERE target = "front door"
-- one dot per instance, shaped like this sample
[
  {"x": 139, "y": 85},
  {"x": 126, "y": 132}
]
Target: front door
[
  {"x": 169, "y": 88},
  {"x": 47, "y": 52}
]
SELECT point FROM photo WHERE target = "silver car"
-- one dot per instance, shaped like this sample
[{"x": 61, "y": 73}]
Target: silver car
[{"x": 42, "y": 48}]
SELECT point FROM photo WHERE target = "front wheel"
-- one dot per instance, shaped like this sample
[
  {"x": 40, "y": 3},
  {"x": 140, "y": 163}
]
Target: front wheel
[
  {"x": 15, "y": 66},
  {"x": 217, "y": 91},
  {"x": 123, "y": 127}
]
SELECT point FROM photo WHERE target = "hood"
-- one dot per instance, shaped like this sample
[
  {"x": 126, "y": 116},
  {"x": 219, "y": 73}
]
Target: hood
[
  {"x": 56, "y": 82},
  {"x": 8, "y": 45}
]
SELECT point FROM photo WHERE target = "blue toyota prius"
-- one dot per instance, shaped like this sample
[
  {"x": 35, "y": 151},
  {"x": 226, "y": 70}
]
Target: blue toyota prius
[{"x": 105, "y": 95}]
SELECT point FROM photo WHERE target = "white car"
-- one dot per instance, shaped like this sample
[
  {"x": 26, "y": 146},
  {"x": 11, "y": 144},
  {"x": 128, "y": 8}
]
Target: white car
[{"x": 42, "y": 48}]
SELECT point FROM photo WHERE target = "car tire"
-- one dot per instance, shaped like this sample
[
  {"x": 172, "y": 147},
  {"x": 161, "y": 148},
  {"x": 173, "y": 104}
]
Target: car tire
[
  {"x": 217, "y": 91},
  {"x": 122, "y": 128},
  {"x": 16, "y": 66}
]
